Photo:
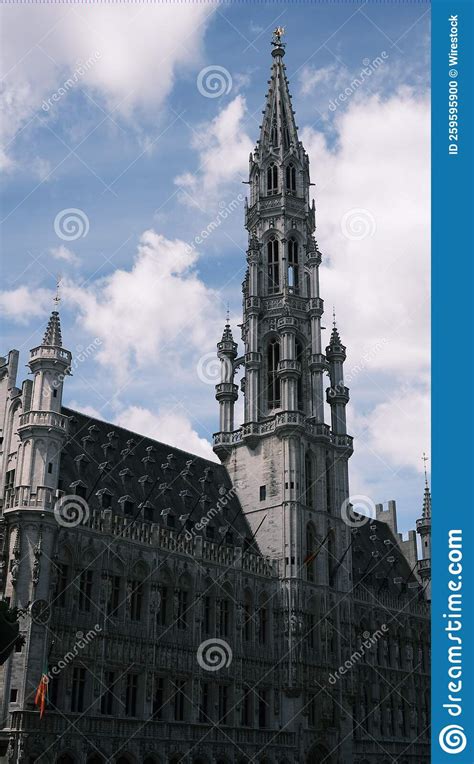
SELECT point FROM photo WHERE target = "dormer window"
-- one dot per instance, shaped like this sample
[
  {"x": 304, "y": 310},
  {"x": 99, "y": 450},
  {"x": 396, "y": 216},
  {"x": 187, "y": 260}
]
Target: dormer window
[
  {"x": 272, "y": 179},
  {"x": 293, "y": 268},
  {"x": 273, "y": 266},
  {"x": 291, "y": 178}
]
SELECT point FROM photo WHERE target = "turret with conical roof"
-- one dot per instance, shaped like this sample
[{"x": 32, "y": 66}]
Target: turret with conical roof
[
  {"x": 43, "y": 427},
  {"x": 337, "y": 395},
  {"x": 226, "y": 390}
]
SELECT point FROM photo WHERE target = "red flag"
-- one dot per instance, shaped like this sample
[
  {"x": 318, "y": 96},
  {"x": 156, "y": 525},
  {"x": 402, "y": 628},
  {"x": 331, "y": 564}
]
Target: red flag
[{"x": 41, "y": 697}]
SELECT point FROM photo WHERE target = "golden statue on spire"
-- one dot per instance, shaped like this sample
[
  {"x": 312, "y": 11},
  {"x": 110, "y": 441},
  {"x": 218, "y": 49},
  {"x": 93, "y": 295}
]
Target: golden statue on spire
[{"x": 277, "y": 35}]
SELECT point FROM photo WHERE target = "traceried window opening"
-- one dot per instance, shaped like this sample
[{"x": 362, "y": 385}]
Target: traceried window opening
[
  {"x": 272, "y": 179},
  {"x": 136, "y": 600},
  {"x": 182, "y": 615},
  {"x": 274, "y": 134},
  {"x": 131, "y": 692},
  {"x": 291, "y": 178},
  {"x": 273, "y": 381},
  {"x": 107, "y": 699},
  {"x": 78, "y": 689},
  {"x": 85, "y": 591},
  {"x": 159, "y": 699},
  {"x": 273, "y": 260},
  {"x": 293, "y": 266}
]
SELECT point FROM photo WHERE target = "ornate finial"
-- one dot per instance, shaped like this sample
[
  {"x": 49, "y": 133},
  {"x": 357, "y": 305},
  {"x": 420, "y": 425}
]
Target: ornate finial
[
  {"x": 227, "y": 315},
  {"x": 57, "y": 297},
  {"x": 278, "y": 45},
  {"x": 277, "y": 35},
  {"x": 425, "y": 459},
  {"x": 334, "y": 316}
]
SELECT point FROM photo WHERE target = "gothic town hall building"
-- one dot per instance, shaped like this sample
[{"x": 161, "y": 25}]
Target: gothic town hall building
[{"x": 182, "y": 610}]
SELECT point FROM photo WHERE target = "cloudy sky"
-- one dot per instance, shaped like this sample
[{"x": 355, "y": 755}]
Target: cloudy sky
[{"x": 140, "y": 119}]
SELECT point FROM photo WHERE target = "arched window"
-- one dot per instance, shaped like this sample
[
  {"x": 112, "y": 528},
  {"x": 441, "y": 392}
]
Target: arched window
[
  {"x": 310, "y": 558},
  {"x": 273, "y": 381},
  {"x": 291, "y": 178},
  {"x": 274, "y": 133},
  {"x": 293, "y": 268},
  {"x": 309, "y": 478},
  {"x": 272, "y": 179},
  {"x": 273, "y": 266}
]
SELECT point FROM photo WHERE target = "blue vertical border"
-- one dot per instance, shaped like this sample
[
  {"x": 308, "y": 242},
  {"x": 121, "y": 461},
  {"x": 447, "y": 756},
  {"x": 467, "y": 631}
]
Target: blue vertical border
[{"x": 453, "y": 380}]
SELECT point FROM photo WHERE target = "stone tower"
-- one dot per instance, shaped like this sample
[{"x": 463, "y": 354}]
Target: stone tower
[
  {"x": 289, "y": 467},
  {"x": 35, "y": 431}
]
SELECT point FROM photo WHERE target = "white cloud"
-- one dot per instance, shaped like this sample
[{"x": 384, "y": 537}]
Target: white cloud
[
  {"x": 168, "y": 426},
  {"x": 158, "y": 313},
  {"x": 84, "y": 409},
  {"x": 137, "y": 52},
  {"x": 24, "y": 303},
  {"x": 63, "y": 253},
  {"x": 223, "y": 149}
]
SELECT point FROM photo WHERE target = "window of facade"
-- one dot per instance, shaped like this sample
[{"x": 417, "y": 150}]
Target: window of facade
[
  {"x": 262, "y": 624},
  {"x": 159, "y": 698},
  {"x": 179, "y": 700},
  {"x": 78, "y": 689},
  {"x": 273, "y": 262},
  {"x": 273, "y": 381},
  {"x": 263, "y": 492},
  {"x": 113, "y": 590},
  {"x": 293, "y": 266},
  {"x": 131, "y": 695},
  {"x": 107, "y": 699},
  {"x": 262, "y": 709},
  {"x": 205, "y": 702},
  {"x": 85, "y": 591},
  {"x": 291, "y": 178},
  {"x": 135, "y": 600},
  {"x": 309, "y": 478},
  {"x": 223, "y": 702},
  {"x": 272, "y": 179},
  {"x": 182, "y": 614},
  {"x": 246, "y": 707}
]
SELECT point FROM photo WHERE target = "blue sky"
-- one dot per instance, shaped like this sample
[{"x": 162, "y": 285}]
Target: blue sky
[{"x": 150, "y": 161}]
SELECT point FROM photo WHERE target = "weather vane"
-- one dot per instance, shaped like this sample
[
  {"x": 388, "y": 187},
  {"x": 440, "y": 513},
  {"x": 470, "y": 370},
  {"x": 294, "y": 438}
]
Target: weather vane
[
  {"x": 57, "y": 297},
  {"x": 277, "y": 35}
]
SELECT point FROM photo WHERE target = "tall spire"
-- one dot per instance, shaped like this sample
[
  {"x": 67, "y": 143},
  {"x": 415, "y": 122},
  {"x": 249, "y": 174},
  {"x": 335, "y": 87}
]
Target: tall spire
[
  {"x": 427, "y": 493},
  {"x": 278, "y": 132},
  {"x": 52, "y": 335}
]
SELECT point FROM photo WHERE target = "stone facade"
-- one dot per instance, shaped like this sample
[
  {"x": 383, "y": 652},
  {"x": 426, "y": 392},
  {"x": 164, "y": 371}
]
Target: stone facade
[{"x": 189, "y": 611}]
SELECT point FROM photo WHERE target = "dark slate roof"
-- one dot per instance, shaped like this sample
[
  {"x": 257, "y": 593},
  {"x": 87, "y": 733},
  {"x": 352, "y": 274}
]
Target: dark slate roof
[
  {"x": 377, "y": 560},
  {"x": 100, "y": 457}
]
